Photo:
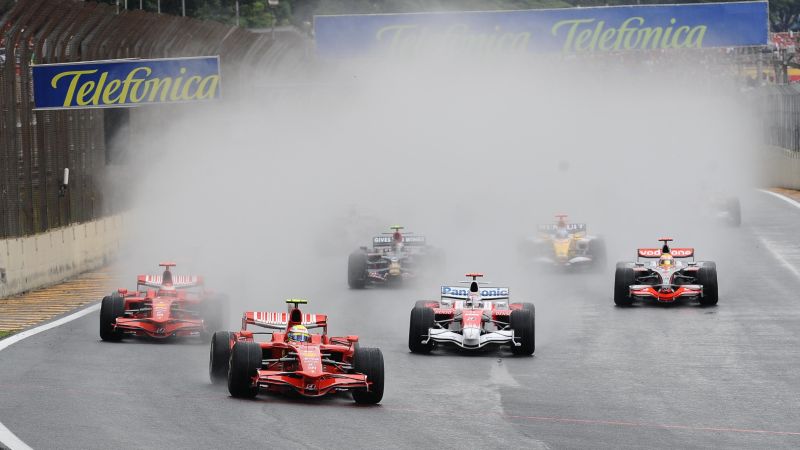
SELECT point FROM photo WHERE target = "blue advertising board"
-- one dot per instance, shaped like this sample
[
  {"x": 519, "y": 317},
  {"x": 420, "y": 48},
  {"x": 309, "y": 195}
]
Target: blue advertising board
[
  {"x": 129, "y": 82},
  {"x": 569, "y": 30}
]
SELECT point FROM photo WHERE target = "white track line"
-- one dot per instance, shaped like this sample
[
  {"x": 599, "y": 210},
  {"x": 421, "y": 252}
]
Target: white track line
[
  {"x": 765, "y": 242},
  {"x": 788, "y": 200},
  {"x": 8, "y": 438}
]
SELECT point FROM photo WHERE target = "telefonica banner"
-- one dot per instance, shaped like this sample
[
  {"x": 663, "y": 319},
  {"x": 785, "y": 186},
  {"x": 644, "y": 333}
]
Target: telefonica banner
[
  {"x": 130, "y": 82},
  {"x": 569, "y": 30}
]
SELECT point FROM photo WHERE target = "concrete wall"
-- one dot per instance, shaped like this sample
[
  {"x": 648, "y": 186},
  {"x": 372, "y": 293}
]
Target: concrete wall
[
  {"x": 781, "y": 168},
  {"x": 30, "y": 262}
]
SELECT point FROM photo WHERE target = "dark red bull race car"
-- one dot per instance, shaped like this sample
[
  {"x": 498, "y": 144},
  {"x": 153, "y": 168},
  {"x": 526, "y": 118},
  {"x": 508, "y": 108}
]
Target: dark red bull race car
[
  {"x": 162, "y": 306},
  {"x": 294, "y": 360}
]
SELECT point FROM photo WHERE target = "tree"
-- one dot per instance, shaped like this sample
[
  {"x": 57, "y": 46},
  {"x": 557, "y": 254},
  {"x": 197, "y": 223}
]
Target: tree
[{"x": 783, "y": 14}]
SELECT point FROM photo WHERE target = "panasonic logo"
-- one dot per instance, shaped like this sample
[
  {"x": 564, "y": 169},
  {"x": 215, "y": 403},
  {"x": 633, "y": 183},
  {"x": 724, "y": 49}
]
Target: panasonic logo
[{"x": 463, "y": 292}]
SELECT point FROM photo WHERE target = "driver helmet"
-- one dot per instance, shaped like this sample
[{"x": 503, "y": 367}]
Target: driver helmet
[
  {"x": 562, "y": 233},
  {"x": 473, "y": 299},
  {"x": 666, "y": 260},
  {"x": 298, "y": 333}
]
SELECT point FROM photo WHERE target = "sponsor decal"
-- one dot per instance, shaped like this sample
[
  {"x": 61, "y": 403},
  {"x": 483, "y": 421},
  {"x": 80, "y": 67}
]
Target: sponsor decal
[
  {"x": 97, "y": 84},
  {"x": 568, "y": 30},
  {"x": 457, "y": 291}
]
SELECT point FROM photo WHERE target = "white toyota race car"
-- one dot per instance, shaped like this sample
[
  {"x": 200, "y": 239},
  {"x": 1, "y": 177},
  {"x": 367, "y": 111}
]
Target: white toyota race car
[{"x": 471, "y": 318}]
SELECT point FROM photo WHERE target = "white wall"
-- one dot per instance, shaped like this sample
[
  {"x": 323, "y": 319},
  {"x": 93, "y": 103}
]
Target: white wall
[
  {"x": 48, "y": 258},
  {"x": 782, "y": 168}
]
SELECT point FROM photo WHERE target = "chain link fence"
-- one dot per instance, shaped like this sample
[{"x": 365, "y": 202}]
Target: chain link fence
[{"x": 36, "y": 146}]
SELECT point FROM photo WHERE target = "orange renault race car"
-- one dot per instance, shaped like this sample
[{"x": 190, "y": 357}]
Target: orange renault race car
[
  {"x": 294, "y": 360},
  {"x": 162, "y": 306}
]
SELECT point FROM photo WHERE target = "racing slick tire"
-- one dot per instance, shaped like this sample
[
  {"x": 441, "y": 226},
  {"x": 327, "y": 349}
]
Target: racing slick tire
[
  {"x": 245, "y": 362},
  {"x": 597, "y": 251},
  {"x": 220, "y": 356},
  {"x": 113, "y": 306},
  {"x": 215, "y": 315},
  {"x": 734, "y": 208},
  {"x": 623, "y": 279},
  {"x": 369, "y": 361},
  {"x": 707, "y": 276},
  {"x": 523, "y": 322},
  {"x": 357, "y": 270},
  {"x": 422, "y": 319}
]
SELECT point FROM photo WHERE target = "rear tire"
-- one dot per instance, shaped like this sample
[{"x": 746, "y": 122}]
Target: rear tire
[
  {"x": 357, "y": 270},
  {"x": 369, "y": 361},
  {"x": 597, "y": 251},
  {"x": 220, "y": 356},
  {"x": 214, "y": 314},
  {"x": 113, "y": 306},
  {"x": 244, "y": 365},
  {"x": 623, "y": 279},
  {"x": 422, "y": 320},
  {"x": 523, "y": 322},
  {"x": 707, "y": 276},
  {"x": 734, "y": 212}
]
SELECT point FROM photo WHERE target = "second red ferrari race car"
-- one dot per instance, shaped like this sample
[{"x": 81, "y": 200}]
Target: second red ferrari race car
[
  {"x": 294, "y": 360},
  {"x": 162, "y": 306},
  {"x": 473, "y": 318},
  {"x": 666, "y": 280}
]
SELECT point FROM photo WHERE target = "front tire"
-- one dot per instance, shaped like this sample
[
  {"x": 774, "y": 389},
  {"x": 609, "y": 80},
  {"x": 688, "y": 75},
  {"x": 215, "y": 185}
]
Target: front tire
[
  {"x": 369, "y": 361},
  {"x": 220, "y": 356},
  {"x": 523, "y": 322},
  {"x": 113, "y": 306},
  {"x": 422, "y": 320},
  {"x": 623, "y": 279},
  {"x": 244, "y": 365},
  {"x": 707, "y": 276},
  {"x": 357, "y": 270}
]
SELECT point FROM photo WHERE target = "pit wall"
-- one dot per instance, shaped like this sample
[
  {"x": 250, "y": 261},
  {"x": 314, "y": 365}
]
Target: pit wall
[
  {"x": 781, "y": 168},
  {"x": 47, "y": 258}
]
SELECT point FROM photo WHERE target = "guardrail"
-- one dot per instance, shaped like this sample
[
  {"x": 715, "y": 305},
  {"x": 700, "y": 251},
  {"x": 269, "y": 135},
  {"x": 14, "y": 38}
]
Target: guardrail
[{"x": 36, "y": 146}]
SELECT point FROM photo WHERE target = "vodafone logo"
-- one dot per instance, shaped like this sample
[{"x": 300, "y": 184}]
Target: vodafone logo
[{"x": 649, "y": 252}]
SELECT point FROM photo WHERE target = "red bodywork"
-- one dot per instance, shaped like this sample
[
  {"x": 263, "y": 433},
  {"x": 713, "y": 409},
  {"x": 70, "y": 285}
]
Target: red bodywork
[
  {"x": 312, "y": 369},
  {"x": 164, "y": 310}
]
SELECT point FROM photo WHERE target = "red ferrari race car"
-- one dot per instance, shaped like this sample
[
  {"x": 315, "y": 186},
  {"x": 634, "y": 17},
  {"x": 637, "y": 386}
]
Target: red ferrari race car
[
  {"x": 162, "y": 306},
  {"x": 473, "y": 318},
  {"x": 293, "y": 359},
  {"x": 666, "y": 280}
]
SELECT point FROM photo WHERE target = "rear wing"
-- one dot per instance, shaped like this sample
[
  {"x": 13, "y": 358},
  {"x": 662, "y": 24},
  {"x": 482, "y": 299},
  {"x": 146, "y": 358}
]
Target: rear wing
[
  {"x": 657, "y": 252},
  {"x": 486, "y": 293},
  {"x": 279, "y": 320},
  {"x": 386, "y": 240},
  {"x": 572, "y": 228},
  {"x": 178, "y": 281}
]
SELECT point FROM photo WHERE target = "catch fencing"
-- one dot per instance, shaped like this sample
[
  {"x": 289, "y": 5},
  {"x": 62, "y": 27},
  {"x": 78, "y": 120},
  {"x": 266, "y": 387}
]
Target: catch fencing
[
  {"x": 36, "y": 146},
  {"x": 779, "y": 109}
]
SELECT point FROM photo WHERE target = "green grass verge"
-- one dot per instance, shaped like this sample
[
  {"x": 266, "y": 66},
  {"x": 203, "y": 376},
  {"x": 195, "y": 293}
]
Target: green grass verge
[{"x": 4, "y": 334}]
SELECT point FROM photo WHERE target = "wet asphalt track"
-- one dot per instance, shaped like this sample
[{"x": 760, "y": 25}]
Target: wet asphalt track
[{"x": 601, "y": 377}]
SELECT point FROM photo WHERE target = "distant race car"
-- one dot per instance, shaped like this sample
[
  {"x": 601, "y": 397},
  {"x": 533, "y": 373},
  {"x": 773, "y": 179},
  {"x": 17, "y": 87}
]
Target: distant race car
[
  {"x": 565, "y": 245},
  {"x": 472, "y": 317},
  {"x": 293, "y": 360},
  {"x": 666, "y": 280},
  {"x": 394, "y": 257},
  {"x": 726, "y": 209},
  {"x": 162, "y": 306}
]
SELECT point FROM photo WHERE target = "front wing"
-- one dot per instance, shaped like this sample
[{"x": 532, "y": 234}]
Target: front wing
[
  {"x": 666, "y": 294},
  {"x": 474, "y": 342},
  {"x": 311, "y": 385},
  {"x": 160, "y": 330}
]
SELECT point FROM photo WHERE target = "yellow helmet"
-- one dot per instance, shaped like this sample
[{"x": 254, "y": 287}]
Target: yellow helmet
[
  {"x": 298, "y": 333},
  {"x": 666, "y": 260}
]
